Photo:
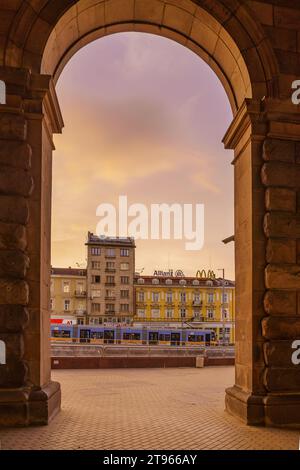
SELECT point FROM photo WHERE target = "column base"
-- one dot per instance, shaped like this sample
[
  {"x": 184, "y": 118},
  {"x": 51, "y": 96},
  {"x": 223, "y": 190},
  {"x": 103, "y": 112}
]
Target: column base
[
  {"x": 245, "y": 406},
  {"x": 264, "y": 410},
  {"x": 27, "y": 406}
]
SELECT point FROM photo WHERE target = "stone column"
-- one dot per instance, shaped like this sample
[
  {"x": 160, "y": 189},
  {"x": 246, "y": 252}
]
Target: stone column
[
  {"x": 265, "y": 137},
  {"x": 27, "y": 121}
]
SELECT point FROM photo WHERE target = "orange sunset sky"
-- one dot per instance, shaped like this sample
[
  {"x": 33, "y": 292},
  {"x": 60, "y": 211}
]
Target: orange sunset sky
[{"x": 144, "y": 117}]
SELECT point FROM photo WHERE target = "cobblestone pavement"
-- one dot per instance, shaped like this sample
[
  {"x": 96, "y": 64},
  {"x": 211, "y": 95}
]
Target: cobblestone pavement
[{"x": 146, "y": 409}]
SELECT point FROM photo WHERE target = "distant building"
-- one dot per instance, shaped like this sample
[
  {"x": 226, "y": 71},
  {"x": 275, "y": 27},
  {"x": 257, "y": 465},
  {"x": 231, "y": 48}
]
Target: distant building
[
  {"x": 180, "y": 301},
  {"x": 110, "y": 292},
  {"x": 110, "y": 273},
  {"x": 68, "y": 294}
]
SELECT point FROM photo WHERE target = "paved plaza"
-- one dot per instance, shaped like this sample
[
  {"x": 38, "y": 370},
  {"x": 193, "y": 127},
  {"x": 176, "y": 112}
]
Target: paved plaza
[{"x": 146, "y": 409}]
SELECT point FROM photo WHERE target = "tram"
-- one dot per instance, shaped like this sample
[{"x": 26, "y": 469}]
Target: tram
[{"x": 89, "y": 334}]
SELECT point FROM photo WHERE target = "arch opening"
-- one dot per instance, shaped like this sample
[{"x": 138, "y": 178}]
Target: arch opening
[{"x": 180, "y": 20}]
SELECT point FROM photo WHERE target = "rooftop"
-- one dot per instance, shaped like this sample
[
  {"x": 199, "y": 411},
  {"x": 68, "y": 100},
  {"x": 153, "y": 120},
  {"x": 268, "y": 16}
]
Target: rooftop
[
  {"x": 190, "y": 281},
  {"x": 68, "y": 272},
  {"x": 115, "y": 241}
]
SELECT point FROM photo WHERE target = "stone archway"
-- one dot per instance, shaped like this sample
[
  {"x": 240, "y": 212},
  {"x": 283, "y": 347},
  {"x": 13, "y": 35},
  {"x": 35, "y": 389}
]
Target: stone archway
[{"x": 232, "y": 37}]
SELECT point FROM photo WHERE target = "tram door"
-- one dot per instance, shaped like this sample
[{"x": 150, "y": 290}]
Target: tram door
[
  {"x": 109, "y": 336},
  {"x": 175, "y": 339},
  {"x": 153, "y": 337},
  {"x": 85, "y": 336}
]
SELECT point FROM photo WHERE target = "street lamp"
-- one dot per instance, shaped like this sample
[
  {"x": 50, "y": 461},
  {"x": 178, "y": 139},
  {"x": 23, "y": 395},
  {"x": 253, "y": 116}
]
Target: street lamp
[{"x": 222, "y": 305}]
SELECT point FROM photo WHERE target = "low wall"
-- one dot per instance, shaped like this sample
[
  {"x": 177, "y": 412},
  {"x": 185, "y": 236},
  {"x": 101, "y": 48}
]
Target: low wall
[{"x": 92, "y": 362}]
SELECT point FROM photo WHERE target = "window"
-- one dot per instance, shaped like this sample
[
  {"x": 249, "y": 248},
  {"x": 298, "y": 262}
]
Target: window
[
  {"x": 110, "y": 279},
  {"x": 124, "y": 307},
  {"x": 155, "y": 313},
  {"x": 169, "y": 281},
  {"x": 110, "y": 252},
  {"x": 169, "y": 313},
  {"x": 141, "y": 296},
  {"x": 80, "y": 287},
  {"x": 169, "y": 297},
  {"x": 124, "y": 279},
  {"x": 225, "y": 314},
  {"x": 94, "y": 321},
  {"x": 67, "y": 303},
  {"x": 182, "y": 312},
  {"x": 210, "y": 313},
  {"x": 95, "y": 293},
  {"x": 51, "y": 286},
  {"x": 196, "y": 312},
  {"x": 66, "y": 287},
  {"x": 51, "y": 304},
  {"x": 110, "y": 308},
  {"x": 155, "y": 296},
  {"x": 95, "y": 251},
  {"x": 124, "y": 294},
  {"x": 182, "y": 297},
  {"x": 155, "y": 281},
  {"x": 110, "y": 265},
  {"x": 210, "y": 297},
  {"x": 124, "y": 252},
  {"x": 110, "y": 293},
  {"x": 96, "y": 279},
  {"x": 95, "y": 307},
  {"x": 96, "y": 264},
  {"x": 141, "y": 280},
  {"x": 141, "y": 313},
  {"x": 124, "y": 266},
  {"x": 80, "y": 321},
  {"x": 225, "y": 298}
]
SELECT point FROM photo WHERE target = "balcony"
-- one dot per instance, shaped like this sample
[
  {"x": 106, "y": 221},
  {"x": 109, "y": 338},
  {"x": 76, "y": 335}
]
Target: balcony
[
  {"x": 110, "y": 256},
  {"x": 110, "y": 270},
  {"x": 80, "y": 293},
  {"x": 112, "y": 298},
  {"x": 197, "y": 303},
  {"x": 110, "y": 284},
  {"x": 80, "y": 312}
]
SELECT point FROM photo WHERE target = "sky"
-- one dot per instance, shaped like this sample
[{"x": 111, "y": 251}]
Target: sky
[{"x": 144, "y": 117}]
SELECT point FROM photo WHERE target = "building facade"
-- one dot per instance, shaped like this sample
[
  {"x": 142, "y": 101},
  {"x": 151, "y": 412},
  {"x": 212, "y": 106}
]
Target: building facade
[
  {"x": 110, "y": 275},
  {"x": 68, "y": 295},
  {"x": 180, "y": 301}
]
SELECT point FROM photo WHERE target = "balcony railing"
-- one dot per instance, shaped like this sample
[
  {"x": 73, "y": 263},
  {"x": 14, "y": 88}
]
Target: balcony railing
[
  {"x": 80, "y": 293},
  {"x": 110, "y": 270},
  {"x": 109, "y": 284},
  {"x": 109, "y": 297}
]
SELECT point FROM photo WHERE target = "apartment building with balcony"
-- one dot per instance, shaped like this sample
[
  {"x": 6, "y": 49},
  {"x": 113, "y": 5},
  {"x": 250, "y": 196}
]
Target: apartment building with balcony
[
  {"x": 68, "y": 295},
  {"x": 110, "y": 276}
]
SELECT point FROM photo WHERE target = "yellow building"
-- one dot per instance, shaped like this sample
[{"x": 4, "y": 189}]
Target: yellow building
[
  {"x": 68, "y": 295},
  {"x": 207, "y": 303}
]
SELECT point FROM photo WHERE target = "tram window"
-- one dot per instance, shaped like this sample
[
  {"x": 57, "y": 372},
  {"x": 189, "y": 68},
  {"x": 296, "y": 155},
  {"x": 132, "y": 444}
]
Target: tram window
[
  {"x": 85, "y": 333},
  {"x": 153, "y": 336},
  {"x": 191, "y": 338},
  {"x": 97, "y": 335},
  {"x": 164, "y": 337},
  {"x": 109, "y": 334},
  {"x": 132, "y": 336},
  {"x": 61, "y": 334}
]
